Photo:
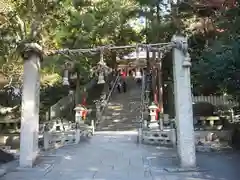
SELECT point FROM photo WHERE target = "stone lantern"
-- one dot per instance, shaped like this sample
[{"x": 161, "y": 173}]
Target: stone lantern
[
  {"x": 152, "y": 112},
  {"x": 79, "y": 115},
  {"x": 102, "y": 69},
  {"x": 101, "y": 78},
  {"x": 153, "y": 109},
  {"x": 67, "y": 67},
  {"x": 79, "y": 112}
]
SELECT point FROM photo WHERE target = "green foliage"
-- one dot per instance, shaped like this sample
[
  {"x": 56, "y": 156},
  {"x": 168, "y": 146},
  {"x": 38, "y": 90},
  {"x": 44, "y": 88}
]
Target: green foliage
[
  {"x": 66, "y": 24},
  {"x": 60, "y": 24},
  {"x": 214, "y": 52},
  {"x": 216, "y": 64}
]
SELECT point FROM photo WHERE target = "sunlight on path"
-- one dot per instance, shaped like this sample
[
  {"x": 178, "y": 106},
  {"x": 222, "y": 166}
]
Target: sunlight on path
[{"x": 122, "y": 110}]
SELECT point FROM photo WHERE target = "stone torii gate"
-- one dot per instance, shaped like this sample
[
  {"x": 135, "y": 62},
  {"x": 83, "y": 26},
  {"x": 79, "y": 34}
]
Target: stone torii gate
[
  {"x": 33, "y": 54},
  {"x": 183, "y": 103}
]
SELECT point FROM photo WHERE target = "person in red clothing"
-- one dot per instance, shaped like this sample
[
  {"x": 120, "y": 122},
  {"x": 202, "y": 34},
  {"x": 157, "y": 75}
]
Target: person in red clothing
[{"x": 123, "y": 74}]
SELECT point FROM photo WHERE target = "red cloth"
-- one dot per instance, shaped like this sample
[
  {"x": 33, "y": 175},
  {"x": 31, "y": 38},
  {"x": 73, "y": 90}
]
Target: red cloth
[{"x": 157, "y": 111}]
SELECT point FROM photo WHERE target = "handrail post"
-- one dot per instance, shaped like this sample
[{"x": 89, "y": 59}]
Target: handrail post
[
  {"x": 46, "y": 138},
  {"x": 78, "y": 133},
  {"x": 98, "y": 111},
  {"x": 93, "y": 126}
]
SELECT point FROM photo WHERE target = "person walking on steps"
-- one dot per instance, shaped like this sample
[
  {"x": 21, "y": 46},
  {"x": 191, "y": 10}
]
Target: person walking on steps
[
  {"x": 124, "y": 84},
  {"x": 110, "y": 85},
  {"x": 111, "y": 77},
  {"x": 138, "y": 77},
  {"x": 119, "y": 85}
]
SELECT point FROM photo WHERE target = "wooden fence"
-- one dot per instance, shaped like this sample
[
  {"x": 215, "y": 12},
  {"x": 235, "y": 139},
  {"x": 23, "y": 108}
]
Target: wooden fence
[{"x": 215, "y": 100}]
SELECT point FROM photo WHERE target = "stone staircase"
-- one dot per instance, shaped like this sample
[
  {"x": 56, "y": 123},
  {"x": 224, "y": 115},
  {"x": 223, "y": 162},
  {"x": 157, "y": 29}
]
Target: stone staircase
[{"x": 122, "y": 109}]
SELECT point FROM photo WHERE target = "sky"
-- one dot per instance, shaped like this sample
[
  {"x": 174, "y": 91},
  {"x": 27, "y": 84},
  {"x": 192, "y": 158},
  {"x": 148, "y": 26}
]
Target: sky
[{"x": 140, "y": 23}]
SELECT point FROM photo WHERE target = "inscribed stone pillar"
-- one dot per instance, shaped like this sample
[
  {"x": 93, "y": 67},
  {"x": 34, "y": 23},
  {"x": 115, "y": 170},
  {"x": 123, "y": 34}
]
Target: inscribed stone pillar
[
  {"x": 32, "y": 54},
  {"x": 183, "y": 106},
  {"x": 160, "y": 81},
  {"x": 154, "y": 76}
]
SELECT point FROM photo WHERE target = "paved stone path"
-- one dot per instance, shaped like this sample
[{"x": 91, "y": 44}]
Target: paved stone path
[{"x": 115, "y": 155}]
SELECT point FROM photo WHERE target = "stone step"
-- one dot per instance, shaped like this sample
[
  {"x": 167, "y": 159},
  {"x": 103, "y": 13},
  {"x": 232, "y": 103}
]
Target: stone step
[
  {"x": 121, "y": 114},
  {"x": 122, "y": 110}
]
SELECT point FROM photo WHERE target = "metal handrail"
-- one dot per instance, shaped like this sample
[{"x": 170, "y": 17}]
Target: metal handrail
[
  {"x": 142, "y": 95},
  {"x": 141, "y": 121},
  {"x": 109, "y": 95}
]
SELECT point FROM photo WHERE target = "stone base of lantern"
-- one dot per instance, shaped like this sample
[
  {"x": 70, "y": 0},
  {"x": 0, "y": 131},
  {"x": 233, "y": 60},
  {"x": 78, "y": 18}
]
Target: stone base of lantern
[
  {"x": 153, "y": 125},
  {"x": 166, "y": 137},
  {"x": 85, "y": 130}
]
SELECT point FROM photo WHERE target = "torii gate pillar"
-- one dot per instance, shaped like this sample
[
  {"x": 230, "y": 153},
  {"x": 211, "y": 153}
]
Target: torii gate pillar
[
  {"x": 32, "y": 55},
  {"x": 183, "y": 103}
]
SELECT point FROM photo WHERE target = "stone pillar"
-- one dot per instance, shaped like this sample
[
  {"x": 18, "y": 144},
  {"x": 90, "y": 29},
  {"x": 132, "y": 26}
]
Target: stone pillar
[
  {"x": 78, "y": 136},
  {"x": 154, "y": 78},
  {"x": 46, "y": 140},
  {"x": 98, "y": 111},
  {"x": 93, "y": 126},
  {"x": 32, "y": 55},
  {"x": 183, "y": 103},
  {"x": 160, "y": 82},
  {"x": 159, "y": 87}
]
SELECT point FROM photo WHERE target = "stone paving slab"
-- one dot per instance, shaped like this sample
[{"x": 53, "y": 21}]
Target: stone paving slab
[{"x": 121, "y": 160}]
